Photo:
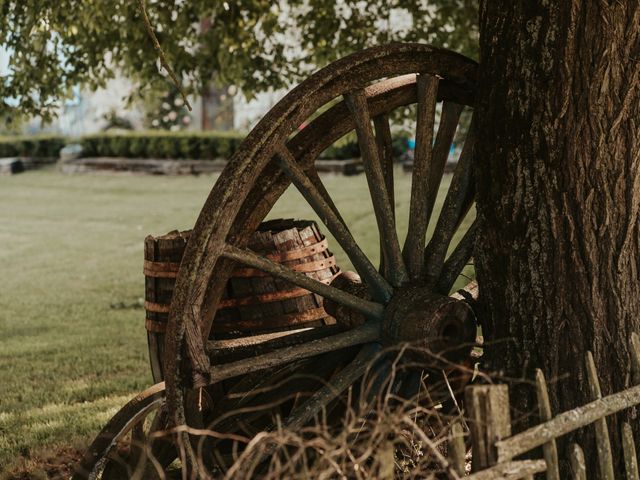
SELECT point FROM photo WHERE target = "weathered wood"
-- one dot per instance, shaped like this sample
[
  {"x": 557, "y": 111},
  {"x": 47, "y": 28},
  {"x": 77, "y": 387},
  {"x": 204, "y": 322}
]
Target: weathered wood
[
  {"x": 603, "y": 443},
  {"x": 414, "y": 244},
  {"x": 254, "y": 301},
  {"x": 629, "y": 449},
  {"x": 166, "y": 252},
  {"x": 510, "y": 470},
  {"x": 336, "y": 385},
  {"x": 446, "y": 131},
  {"x": 252, "y": 183},
  {"x": 454, "y": 265},
  {"x": 544, "y": 411},
  {"x": 369, "y": 332},
  {"x": 566, "y": 422},
  {"x": 249, "y": 303},
  {"x": 457, "y": 449},
  {"x": 247, "y": 257},
  {"x": 578, "y": 465},
  {"x": 247, "y": 346},
  {"x": 456, "y": 205},
  {"x": 630, "y": 456},
  {"x": 385, "y": 153},
  {"x": 489, "y": 422},
  {"x": 379, "y": 286},
  {"x": 382, "y": 207}
]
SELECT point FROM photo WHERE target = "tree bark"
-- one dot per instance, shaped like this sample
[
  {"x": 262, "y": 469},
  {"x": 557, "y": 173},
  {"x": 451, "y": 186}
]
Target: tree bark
[{"x": 558, "y": 192}]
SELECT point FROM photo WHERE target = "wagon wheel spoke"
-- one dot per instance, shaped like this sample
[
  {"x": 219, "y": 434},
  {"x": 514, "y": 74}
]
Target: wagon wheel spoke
[
  {"x": 444, "y": 138},
  {"x": 385, "y": 151},
  {"x": 383, "y": 209},
  {"x": 456, "y": 205},
  {"x": 380, "y": 288},
  {"x": 457, "y": 260},
  {"x": 303, "y": 413},
  {"x": 312, "y": 173},
  {"x": 369, "y": 332},
  {"x": 419, "y": 211},
  {"x": 137, "y": 453},
  {"x": 247, "y": 257}
]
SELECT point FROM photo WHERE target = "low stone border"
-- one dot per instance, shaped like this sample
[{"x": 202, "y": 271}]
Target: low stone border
[
  {"x": 155, "y": 166},
  {"x": 13, "y": 165},
  {"x": 151, "y": 166}
]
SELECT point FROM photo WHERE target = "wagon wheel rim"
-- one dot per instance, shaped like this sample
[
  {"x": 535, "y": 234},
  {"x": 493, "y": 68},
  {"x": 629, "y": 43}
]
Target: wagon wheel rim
[
  {"x": 139, "y": 425},
  {"x": 269, "y": 160}
]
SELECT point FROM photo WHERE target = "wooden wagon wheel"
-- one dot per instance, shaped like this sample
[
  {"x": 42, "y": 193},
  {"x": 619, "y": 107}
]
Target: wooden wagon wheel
[
  {"x": 125, "y": 447},
  {"x": 406, "y": 298}
]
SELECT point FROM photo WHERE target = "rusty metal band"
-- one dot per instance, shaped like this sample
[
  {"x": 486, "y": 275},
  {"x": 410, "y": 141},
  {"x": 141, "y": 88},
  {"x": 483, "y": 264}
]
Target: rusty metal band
[
  {"x": 268, "y": 323},
  {"x": 170, "y": 269},
  {"x": 155, "y": 326},
  {"x": 270, "y": 297},
  {"x": 161, "y": 269},
  {"x": 299, "y": 253},
  {"x": 301, "y": 268},
  {"x": 156, "y": 307}
]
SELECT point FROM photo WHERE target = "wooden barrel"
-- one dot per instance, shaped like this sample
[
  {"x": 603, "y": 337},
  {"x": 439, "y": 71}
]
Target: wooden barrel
[
  {"x": 253, "y": 302},
  {"x": 162, "y": 256},
  {"x": 257, "y": 302}
]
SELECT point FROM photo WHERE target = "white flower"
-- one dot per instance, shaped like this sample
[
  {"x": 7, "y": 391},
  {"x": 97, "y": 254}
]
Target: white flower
[
  {"x": 178, "y": 102},
  {"x": 172, "y": 116},
  {"x": 186, "y": 119}
]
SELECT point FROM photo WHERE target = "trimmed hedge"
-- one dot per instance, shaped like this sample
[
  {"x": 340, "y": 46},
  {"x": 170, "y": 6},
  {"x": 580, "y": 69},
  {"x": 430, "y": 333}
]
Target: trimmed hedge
[
  {"x": 162, "y": 144},
  {"x": 39, "y": 146}
]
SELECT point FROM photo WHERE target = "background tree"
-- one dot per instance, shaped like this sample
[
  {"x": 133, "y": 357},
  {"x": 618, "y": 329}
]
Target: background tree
[
  {"x": 558, "y": 176},
  {"x": 55, "y": 45}
]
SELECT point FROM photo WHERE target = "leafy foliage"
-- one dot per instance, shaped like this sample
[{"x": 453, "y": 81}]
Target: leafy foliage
[
  {"x": 167, "y": 112},
  {"x": 55, "y": 45},
  {"x": 162, "y": 144}
]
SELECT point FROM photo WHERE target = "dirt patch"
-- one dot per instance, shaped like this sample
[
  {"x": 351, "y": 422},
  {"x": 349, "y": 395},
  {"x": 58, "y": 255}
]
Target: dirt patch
[{"x": 55, "y": 465}]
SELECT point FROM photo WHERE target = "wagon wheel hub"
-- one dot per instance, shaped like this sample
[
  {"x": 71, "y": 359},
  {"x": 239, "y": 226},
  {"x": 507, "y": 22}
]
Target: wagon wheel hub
[
  {"x": 415, "y": 314},
  {"x": 429, "y": 321}
]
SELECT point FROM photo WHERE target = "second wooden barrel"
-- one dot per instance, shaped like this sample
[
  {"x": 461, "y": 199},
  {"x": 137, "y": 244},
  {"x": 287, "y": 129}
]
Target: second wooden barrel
[
  {"x": 257, "y": 302},
  {"x": 253, "y": 302}
]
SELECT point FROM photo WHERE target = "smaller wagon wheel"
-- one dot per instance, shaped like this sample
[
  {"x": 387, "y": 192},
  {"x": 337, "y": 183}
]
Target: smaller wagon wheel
[
  {"x": 406, "y": 298},
  {"x": 125, "y": 447}
]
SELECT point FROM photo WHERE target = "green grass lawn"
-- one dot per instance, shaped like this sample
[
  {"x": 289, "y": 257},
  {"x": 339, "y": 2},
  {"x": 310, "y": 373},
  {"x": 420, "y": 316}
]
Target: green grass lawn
[{"x": 72, "y": 338}]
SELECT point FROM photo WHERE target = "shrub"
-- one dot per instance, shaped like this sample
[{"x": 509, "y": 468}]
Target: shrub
[
  {"x": 162, "y": 144},
  {"x": 31, "y": 146}
]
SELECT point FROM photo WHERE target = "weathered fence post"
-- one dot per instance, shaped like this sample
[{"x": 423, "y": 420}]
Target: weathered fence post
[
  {"x": 457, "y": 450},
  {"x": 490, "y": 421},
  {"x": 578, "y": 467},
  {"x": 605, "y": 459},
  {"x": 544, "y": 409},
  {"x": 629, "y": 448}
]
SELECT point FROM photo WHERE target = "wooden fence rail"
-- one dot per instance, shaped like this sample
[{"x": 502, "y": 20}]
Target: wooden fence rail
[{"x": 494, "y": 448}]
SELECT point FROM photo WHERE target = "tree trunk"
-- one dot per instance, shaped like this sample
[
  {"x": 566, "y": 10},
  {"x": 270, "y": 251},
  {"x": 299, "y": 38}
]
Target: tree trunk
[{"x": 558, "y": 182}]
